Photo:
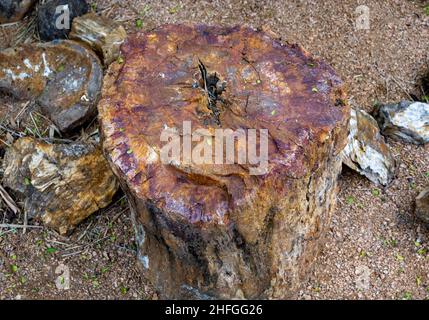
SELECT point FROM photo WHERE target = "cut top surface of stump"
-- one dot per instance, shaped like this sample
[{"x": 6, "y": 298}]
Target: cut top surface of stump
[{"x": 258, "y": 83}]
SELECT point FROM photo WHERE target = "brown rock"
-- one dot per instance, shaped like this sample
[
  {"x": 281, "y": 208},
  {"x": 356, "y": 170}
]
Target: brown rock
[
  {"x": 14, "y": 10},
  {"x": 103, "y": 35},
  {"x": 422, "y": 205},
  {"x": 63, "y": 77},
  {"x": 62, "y": 184},
  {"x": 218, "y": 230}
]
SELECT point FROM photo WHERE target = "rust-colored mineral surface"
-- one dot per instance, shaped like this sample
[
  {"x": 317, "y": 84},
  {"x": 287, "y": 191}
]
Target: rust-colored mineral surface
[{"x": 219, "y": 230}]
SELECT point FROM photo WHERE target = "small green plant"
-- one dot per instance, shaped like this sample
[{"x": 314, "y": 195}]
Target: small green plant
[
  {"x": 399, "y": 257},
  {"x": 104, "y": 270},
  {"x": 422, "y": 252},
  {"x": 375, "y": 192},
  {"x": 314, "y": 90},
  {"x": 173, "y": 10},
  {"x": 145, "y": 11},
  {"x": 95, "y": 283},
  {"x": 139, "y": 23},
  {"x": 426, "y": 9},
  {"x": 120, "y": 60},
  {"x": 407, "y": 296},
  {"x": 350, "y": 200},
  {"x": 60, "y": 68},
  {"x": 393, "y": 242},
  {"x": 124, "y": 290},
  {"x": 14, "y": 268},
  {"x": 363, "y": 254},
  {"x": 51, "y": 250},
  {"x": 418, "y": 281},
  {"x": 27, "y": 181}
]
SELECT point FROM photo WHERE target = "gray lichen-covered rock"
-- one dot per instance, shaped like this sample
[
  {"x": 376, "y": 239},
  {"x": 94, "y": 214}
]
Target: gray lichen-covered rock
[
  {"x": 63, "y": 77},
  {"x": 103, "y": 35},
  {"x": 61, "y": 184},
  {"x": 366, "y": 152},
  {"x": 422, "y": 205},
  {"x": 407, "y": 121},
  {"x": 14, "y": 10}
]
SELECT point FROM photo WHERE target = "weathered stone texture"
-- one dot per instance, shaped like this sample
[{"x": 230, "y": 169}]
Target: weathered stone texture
[
  {"x": 63, "y": 77},
  {"x": 406, "y": 121}
]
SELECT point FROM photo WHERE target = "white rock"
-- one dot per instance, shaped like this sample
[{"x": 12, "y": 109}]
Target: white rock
[
  {"x": 407, "y": 121},
  {"x": 366, "y": 151}
]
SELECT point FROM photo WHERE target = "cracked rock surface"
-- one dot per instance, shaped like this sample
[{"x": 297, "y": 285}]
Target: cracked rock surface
[
  {"x": 61, "y": 184},
  {"x": 406, "y": 121},
  {"x": 63, "y": 77},
  {"x": 366, "y": 151},
  {"x": 215, "y": 230}
]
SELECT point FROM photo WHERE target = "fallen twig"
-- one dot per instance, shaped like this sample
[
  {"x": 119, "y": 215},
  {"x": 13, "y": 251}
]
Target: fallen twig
[
  {"x": 18, "y": 226},
  {"x": 8, "y": 200}
]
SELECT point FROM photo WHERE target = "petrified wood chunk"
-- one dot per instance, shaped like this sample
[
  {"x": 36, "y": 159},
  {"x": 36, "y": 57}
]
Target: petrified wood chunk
[
  {"x": 64, "y": 78},
  {"x": 366, "y": 151},
  {"x": 103, "y": 35},
  {"x": 218, "y": 230},
  {"x": 62, "y": 183}
]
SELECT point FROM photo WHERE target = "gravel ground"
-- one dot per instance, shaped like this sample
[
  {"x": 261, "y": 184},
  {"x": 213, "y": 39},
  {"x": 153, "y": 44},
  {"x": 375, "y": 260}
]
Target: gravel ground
[{"x": 376, "y": 249}]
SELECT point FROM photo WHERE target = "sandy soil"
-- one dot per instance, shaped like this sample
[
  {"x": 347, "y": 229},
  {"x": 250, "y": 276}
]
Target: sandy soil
[{"x": 376, "y": 248}]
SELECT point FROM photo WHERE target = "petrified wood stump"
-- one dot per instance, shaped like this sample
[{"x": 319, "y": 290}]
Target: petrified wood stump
[{"x": 216, "y": 230}]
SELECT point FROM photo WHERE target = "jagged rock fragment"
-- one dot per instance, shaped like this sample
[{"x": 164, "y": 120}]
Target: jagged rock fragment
[
  {"x": 366, "y": 151},
  {"x": 61, "y": 184},
  {"x": 405, "y": 121},
  {"x": 103, "y": 35}
]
